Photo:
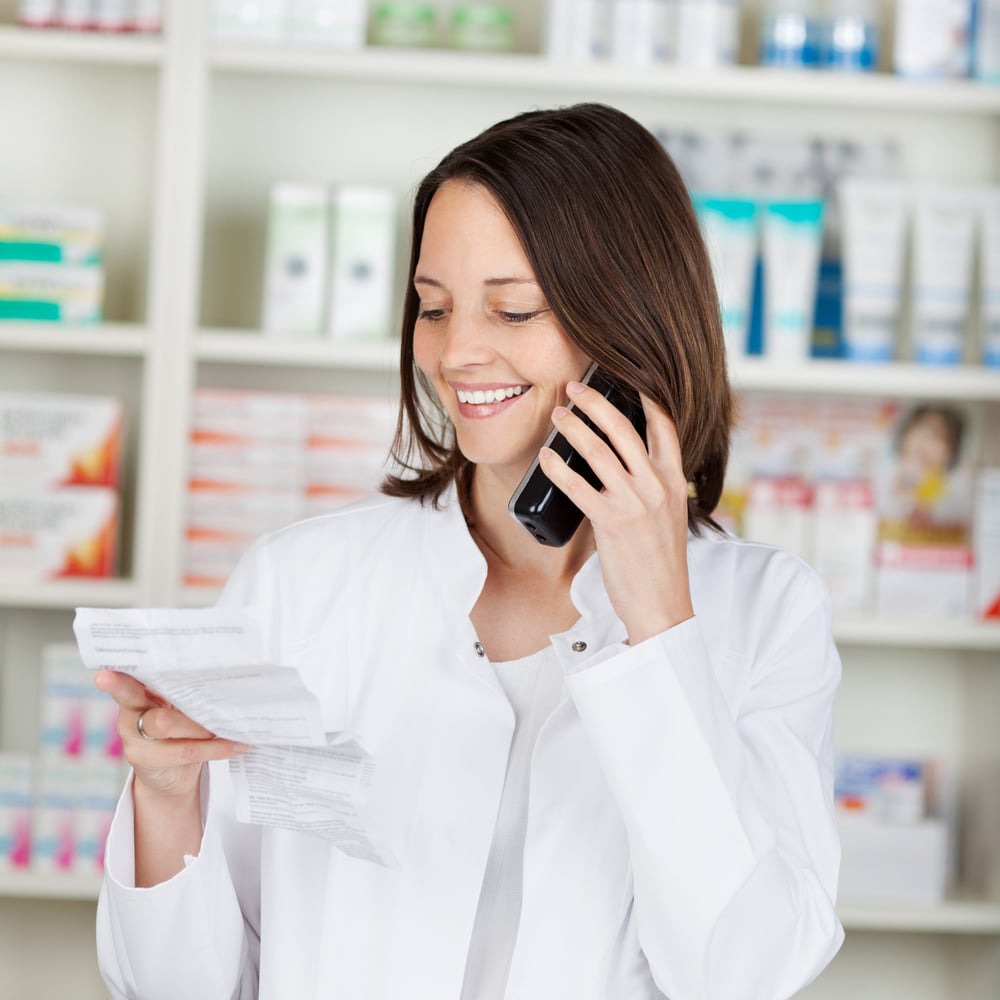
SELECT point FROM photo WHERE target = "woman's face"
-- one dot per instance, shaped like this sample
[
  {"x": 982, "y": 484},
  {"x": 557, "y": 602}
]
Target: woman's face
[{"x": 485, "y": 336}]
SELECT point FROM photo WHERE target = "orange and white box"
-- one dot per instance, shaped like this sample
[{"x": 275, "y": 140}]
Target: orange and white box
[
  {"x": 71, "y": 532},
  {"x": 240, "y": 468},
  {"x": 222, "y": 526},
  {"x": 913, "y": 579},
  {"x": 843, "y": 550},
  {"x": 54, "y": 440},
  {"x": 238, "y": 417},
  {"x": 779, "y": 511},
  {"x": 335, "y": 420},
  {"x": 986, "y": 544}
]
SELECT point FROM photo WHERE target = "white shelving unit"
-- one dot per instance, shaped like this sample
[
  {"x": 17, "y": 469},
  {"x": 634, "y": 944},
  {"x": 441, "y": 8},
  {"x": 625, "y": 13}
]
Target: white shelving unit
[{"x": 178, "y": 140}]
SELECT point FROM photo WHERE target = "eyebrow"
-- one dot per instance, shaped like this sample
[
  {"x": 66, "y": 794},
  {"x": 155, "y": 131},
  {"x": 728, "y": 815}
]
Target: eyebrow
[{"x": 420, "y": 279}]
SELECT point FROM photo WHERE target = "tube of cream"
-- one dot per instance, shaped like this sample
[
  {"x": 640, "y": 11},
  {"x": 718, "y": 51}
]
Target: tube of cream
[
  {"x": 873, "y": 242},
  {"x": 729, "y": 226},
  {"x": 944, "y": 228},
  {"x": 989, "y": 283},
  {"x": 793, "y": 238}
]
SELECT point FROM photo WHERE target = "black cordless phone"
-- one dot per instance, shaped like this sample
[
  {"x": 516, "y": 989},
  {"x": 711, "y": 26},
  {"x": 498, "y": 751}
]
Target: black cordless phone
[{"x": 545, "y": 511}]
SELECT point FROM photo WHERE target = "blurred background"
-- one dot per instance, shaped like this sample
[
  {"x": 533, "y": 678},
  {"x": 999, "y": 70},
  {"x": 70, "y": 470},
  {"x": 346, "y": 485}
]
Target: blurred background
[{"x": 203, "y": 229}]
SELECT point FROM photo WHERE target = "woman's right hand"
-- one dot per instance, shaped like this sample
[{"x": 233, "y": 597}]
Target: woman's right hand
[{"x": 169, "y": 759}]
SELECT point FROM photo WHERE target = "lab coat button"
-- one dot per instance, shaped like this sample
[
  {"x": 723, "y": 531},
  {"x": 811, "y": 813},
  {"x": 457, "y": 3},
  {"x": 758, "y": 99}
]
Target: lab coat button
[
  {"x": 479, "y": 649},
  {"x": 578, "y": 646}
]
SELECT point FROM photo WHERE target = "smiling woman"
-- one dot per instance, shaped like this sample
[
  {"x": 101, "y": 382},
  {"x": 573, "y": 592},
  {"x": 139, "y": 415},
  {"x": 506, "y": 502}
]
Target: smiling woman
[{"x": 603, "y": 768}]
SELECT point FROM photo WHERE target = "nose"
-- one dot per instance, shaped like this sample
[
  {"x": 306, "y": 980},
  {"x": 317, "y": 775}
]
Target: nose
[{"x": 466, "y": 342}]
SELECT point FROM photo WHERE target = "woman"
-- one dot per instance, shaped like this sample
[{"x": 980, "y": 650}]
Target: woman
[{"x": 604, "y": 769}]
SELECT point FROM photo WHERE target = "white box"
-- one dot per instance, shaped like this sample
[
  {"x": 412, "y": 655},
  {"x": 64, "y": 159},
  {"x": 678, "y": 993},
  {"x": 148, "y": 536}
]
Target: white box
[
  {"x": 328, "y": 23},
  {"x": 779, "y": 511},
  {"x": 15, "y": 811},
  {"x": 240, "y": 468},
  {"x": 67, "y": 533},
  {"x": 338, "y": 419},
  {"x": 54, "y": 234},
  {"x": 236, "y": 417},
  {"x": 932, "y": 580},
  {"x": 53, "y": 815},
  {"x": 843, "y": 549},
  {"x": 986, "y": 544},
  {"x": 52, "y": 293},
  {"x": 49, "y": 440},
  {"x": 363, "y": 248},
  {"x": 101, "y": 783},
  {"x": 295, "y": 276},
  {"x": 240, "y": 20}
]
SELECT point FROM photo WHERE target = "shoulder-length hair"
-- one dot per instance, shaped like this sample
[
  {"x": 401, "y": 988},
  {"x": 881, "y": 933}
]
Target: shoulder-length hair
[{"x": 608, "y": 227}]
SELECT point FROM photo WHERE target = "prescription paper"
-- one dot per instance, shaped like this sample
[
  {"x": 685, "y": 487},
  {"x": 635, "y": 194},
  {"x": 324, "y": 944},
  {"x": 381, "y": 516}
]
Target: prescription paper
[{"x": 212, "y": 664}]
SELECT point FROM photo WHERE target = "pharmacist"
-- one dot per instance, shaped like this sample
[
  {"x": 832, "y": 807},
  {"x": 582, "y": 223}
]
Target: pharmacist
[{"x": 602, "y": 769}]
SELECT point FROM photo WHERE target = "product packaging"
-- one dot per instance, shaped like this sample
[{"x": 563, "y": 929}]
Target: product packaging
[
  {"x": 707, "y": 33},
  {"x": 408, "y": 25},
  {"x": 15, "y": 811},
  {"x": 989, "y": 277},
  {"x": 295, "y": 278},
  {"x": 71, "y": 532},
  {"x": 241, "y": 417},
  {"x": 579, "y": 30},
  {"x": 923, "y": 580},
  {"x": 76, "y": 15},
  {"x": 242, "y": 468},
  {"x": 986, "y": 41},
  {"x": 112, "y": 15},
  {"x": 66, "y": 293},
  {"x": 873, "y": 225},
  {"x": 52, "y": 440},
  {"x": 63, "y": 692},
  {"x": 944, "y": 229},
  {"x": 895, "y": 818},
  {"x": 53, "y": 818},
  {"x": 845, "y": 526},
  {"x": 327, "y": 23},
  {"x": 932, "y": 38},
  {"x": 236, "y": 20},
  {"x": 729, "y": 226},
  {"x": 38, "y": 13},
  {"x": 52, "y": 234},
  {"x": 148, "y": 16},
  {"x": 362, "y": 255},
  {"x": 483, "y": 27},
  {"x": 851, "y": 36},
  {"x": 337, "y": 420},
  {"x": 790, "y": 34},
  {"x": 100, "y": 786},
  {"x": 780, "y": 511},
  {"x": 792, "y": 240},
  {"x": 986, "y": 544},
  {"x": 644, "y": 32}
]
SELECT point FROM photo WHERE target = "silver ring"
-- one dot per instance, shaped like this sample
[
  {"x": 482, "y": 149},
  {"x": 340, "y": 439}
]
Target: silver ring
[{"x": 138, "y": 726}]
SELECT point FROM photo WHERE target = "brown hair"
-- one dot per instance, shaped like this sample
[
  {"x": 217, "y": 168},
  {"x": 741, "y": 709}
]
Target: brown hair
[{"x": 608, "y": 227}]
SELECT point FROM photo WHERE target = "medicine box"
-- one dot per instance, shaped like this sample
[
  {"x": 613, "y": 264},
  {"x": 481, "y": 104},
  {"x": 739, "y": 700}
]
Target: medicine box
[
  {"x": 50, "y": 440},
  {"x": 915, "y": 579},
  {"x": 779, "y": 511},
  {"x": 15, "y": 810},
  {"x": 362, "y": 252},
  {"x": 52, "y": 234},
  {"x": 62, "y": 293},
  {"x": 986, "y": 543},
  {"x": 71, "y": 532}
]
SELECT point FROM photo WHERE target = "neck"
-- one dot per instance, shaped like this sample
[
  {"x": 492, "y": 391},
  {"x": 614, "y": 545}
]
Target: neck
[{"x": 507, "y": 545}]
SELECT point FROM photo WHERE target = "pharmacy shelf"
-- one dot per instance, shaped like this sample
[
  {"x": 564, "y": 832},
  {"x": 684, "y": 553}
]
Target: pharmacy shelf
[
  {"x": 953, "y": 916},
  {"x": 112, "y": 339},
  {"x": 940, "y": 633},
  {"x": 743, "y": 84},
  {"x": 250, "y": 347},
  {"x": 33, "y": 885},
  {"x": 896, "y": 378},
  {"x": 69, "y": 594},
  {"x": 80, "y": 47}
]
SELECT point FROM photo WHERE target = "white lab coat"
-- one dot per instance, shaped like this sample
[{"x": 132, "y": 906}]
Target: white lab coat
[{"x": 680, "y": 837}]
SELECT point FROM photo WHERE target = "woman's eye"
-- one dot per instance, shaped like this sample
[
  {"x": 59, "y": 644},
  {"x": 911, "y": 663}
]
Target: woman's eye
[
  {"x": 516, "y": 317},
  {"x": 430, "y": 315}
]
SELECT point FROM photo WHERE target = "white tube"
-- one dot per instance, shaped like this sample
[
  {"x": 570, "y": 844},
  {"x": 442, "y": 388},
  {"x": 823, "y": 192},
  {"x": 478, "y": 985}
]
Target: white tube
[
  {"x": 873, "y": 240},
  {"x": 944, "y": 226},
  {"x": 792, "y": 237},
  {"x": 989, "y": 283},
  {"x": 729, "y": 226}
]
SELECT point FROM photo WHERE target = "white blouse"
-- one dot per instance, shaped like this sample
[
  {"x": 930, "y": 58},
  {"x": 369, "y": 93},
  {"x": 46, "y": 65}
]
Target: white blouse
[{"x": 533, "y": 685}]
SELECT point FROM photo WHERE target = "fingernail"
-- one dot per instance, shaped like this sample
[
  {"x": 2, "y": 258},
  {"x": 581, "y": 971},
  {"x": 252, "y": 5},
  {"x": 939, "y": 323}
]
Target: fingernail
[
  {"x": 559, "y": 412},
  {"x": 575, "y": 387},
  {"x": 545, "y": 452}
]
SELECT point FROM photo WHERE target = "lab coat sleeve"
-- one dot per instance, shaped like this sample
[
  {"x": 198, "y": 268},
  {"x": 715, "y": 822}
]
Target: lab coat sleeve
[
  {"x": 196, "y": 935},
  {"x": 729, "y": 814}
]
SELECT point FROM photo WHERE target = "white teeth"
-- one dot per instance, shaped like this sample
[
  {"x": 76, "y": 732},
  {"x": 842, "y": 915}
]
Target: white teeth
[{"x": 488, "y": 395}]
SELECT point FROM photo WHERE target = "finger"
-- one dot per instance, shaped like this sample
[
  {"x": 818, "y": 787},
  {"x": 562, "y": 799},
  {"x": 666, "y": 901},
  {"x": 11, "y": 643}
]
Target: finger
[
  {"x": 588, "y": 445},
  {"x": 169, "y": 724},
  {"x": 621, "y": 432},
  {"x": 663, "y": 440},
  {"x": 126, "y": 690},
  {"x": 158, "y": 755}
]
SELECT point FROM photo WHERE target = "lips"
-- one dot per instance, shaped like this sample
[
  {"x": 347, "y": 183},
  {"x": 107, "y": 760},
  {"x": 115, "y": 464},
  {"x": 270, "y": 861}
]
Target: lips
[{"x": 487, "y": 402}]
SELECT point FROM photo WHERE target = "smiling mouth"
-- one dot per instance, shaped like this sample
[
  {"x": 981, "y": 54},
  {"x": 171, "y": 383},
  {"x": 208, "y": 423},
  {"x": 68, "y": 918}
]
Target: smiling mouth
[{"x": 477, "y": 397}]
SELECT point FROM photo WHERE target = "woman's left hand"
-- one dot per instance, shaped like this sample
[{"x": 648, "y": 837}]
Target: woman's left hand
[{"x": 640, "y": 519}]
